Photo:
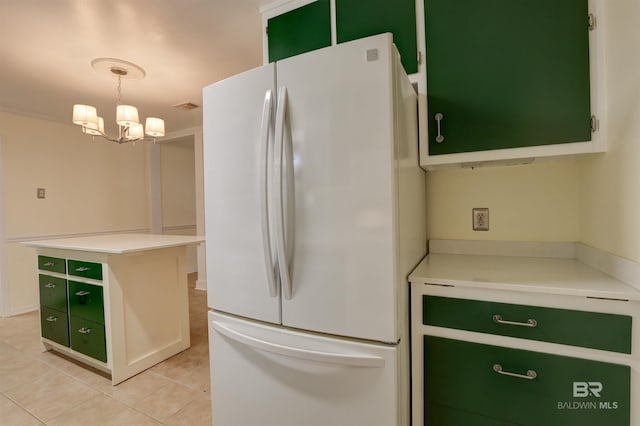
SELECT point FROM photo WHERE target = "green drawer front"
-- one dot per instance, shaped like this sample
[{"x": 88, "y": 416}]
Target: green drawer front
[
  {"x": 88, "y": 337},
  {"x": 54, "y": 325},
  {"x": 565, "y": 391},
  {"x": 52, "y": 264},
  {"x": 79, "y": 268},
  {"x": 608, "y": 332},
  {"x": 53, "y": 292},
  {"x": 86, "y": 301}
]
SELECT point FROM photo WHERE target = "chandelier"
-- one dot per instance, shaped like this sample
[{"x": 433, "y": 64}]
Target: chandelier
[{"x": 130, "y": 129}]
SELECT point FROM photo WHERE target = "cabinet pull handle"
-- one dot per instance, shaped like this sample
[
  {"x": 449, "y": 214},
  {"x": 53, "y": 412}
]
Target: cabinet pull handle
[
  {"x": 82, "y": 269},
  {"x": 84, "y": 330},
  {"x": 439, "y": 118},
  {"x": 50, "y": 264},
  {"x": 82, "y": 293},
  {"x": 51, "y": 318},
  {"x": 530, "y": 322},
  {"x": 50, "y": 285},
  {"x": 531, "y": 374}
]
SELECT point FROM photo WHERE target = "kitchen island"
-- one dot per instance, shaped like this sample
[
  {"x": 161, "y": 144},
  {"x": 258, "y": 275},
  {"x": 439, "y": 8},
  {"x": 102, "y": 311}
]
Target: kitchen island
[{"x": 118, "y": 303}]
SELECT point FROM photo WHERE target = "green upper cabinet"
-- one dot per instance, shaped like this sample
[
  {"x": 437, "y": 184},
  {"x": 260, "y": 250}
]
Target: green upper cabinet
[
  {"x": 300, "y": 30},
  {"x": 358, "y": 18},
  {"x": 506, "y": 74}
]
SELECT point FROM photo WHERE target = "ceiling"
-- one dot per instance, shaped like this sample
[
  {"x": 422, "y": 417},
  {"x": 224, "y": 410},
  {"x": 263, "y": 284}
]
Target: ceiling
[{"x": 183, "y": 45}]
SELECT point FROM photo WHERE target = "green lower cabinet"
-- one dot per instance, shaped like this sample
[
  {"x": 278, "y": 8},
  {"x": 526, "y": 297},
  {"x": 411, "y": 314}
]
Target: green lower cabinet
[
  {"x": 88, "y": 337},
  {"x": 86, "y": 301},
  {"x": 54, "y": 325},
  {"x": 53, "y": 292},
  {"x": 471, "y": 383}
]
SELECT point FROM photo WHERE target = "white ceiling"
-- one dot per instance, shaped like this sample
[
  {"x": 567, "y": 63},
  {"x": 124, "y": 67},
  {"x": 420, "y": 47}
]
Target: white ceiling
[{"x": 46, "y": 48}]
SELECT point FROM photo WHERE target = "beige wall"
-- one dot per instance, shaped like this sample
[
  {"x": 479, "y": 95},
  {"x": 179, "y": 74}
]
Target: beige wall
[
  {"x": 177, "y": 163},
  {"x": 90, "y": 188},
  {"x": 535, "y": 202},
  {"x": 178, "y": 182},
  {"x": 611, "y": 182}
]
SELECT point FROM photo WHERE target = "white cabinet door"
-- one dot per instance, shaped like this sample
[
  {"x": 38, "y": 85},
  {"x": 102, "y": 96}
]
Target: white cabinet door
[
  {"x": 271, "y": 376},
  {"x": 238, "y": 269},
  {"x": 341, "y": 115}
]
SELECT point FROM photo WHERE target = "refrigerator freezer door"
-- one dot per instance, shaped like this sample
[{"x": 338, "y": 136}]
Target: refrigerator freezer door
[
  {"x": 340, "y": 114},
  {"x": 264, "y": 375},
  {"x": 237, "y": 126}
]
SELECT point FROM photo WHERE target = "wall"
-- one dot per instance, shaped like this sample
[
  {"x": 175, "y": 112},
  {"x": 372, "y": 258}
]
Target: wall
[
  {"x": 90, "y": 188},
  {"x": 178, "y": 183},
  {"x": 535, "y": 202},
  {"x": 611, "y": 182}
]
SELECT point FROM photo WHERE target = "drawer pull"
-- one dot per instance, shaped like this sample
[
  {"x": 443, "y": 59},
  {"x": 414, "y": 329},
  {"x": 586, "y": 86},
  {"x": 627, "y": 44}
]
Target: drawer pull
[
  {"x": 50, "y": 285},
  {"x": 531, "y": 374},
  {"x": 439, "y": 118},
  {"x": 51, "y": 318},
  {"x": 530, "y": 322},
  {"x": 84, "y": 330},
  {"x": 82, "y": 293},
  {"x": 82, "y": 269},
  {"x": 50, "y": 264}
]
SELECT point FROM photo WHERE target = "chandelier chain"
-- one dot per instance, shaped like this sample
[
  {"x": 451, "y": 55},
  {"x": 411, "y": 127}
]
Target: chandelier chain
[{"x": 119, "y": 99}]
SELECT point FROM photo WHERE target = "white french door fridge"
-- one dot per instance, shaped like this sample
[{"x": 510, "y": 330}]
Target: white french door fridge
[{"x": 314, "y": 216}]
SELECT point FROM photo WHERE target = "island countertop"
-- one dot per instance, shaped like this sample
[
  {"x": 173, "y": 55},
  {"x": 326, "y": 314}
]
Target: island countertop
[{"x": 117, "y": 243}]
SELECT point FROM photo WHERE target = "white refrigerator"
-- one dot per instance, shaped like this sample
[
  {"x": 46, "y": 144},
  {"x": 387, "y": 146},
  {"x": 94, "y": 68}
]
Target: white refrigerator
[{"x": 314, "y": 217}]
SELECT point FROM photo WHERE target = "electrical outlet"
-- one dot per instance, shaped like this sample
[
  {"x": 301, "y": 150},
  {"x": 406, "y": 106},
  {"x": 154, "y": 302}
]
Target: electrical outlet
[
  {"x": 40, "y": 193},
  {"x": 480, "y": 219}
]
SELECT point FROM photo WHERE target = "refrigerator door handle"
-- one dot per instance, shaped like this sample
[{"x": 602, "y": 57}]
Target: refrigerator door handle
[
  {"x": 336, "y": 358},
  {"x": 282, "y": 197},
  {"x": 269, "y": 263}
]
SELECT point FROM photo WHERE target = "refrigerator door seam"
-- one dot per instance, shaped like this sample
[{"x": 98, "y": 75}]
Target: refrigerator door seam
[
  {"x": 337, "y": 358},
  {"x": 264, "y": 193}
]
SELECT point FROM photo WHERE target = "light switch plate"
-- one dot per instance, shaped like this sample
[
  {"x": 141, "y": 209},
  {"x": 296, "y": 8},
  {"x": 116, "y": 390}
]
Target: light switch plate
[
  {"x": 480, "y": 219},
  {"x": 40, "y": 193}
]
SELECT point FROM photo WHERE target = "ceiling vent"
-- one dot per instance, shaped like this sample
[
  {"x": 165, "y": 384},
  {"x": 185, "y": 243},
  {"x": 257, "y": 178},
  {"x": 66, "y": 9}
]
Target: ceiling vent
[{"x": 186, "y": 106}]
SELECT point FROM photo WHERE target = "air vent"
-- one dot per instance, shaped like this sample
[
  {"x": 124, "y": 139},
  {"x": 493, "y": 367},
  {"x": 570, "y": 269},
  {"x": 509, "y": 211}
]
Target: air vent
[{"x": 186, "y": 106}]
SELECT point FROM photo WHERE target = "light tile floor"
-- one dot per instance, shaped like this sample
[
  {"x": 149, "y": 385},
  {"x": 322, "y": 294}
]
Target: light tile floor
[{"x": 39, "y": 387}]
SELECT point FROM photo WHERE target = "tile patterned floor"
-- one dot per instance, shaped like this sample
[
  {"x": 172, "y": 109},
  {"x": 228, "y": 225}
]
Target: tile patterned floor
[{"x": 39, "y": 387}]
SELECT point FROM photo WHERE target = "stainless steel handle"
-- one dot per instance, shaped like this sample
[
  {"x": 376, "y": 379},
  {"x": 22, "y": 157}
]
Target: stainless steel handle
[
  {"x": 84, "y": 330},
  {"x": 265, "y": 126},
  {"x": 50, "y": 285},
  {"x": 531, "y": 374},
  {"x": 50, "y": 264},
  {"x": 280, "y": 185},
  {"x": 439, "y": 137},
  {"x": 82, "y": 293},
  {"x": 530, "y": 322},
  {"x": 52, "y": 318},
  {"x": 82, "y": 269}
]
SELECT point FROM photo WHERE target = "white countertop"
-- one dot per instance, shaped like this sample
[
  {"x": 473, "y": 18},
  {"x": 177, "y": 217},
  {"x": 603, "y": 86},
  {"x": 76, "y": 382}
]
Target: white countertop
[
  {"x": 117, "y": 243},
  {"x": 530, "y": 274}
]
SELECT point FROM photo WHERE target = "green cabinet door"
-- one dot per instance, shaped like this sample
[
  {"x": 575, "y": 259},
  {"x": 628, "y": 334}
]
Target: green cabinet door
[
  {"x": 506, "y": 74},
  {"x": 53, "y": 292},
  {"x": 53, "y": 264},
  {"x": 502, "y": 386},
  {"x": 80, "y": 268},
  {"x": 300, "y": 30},
  {"x": 54, "y": 325},
  {"x": 86, "y": 301},
  {"x": 88, "y": 337},
  {"x": 358, "y": 18}
]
